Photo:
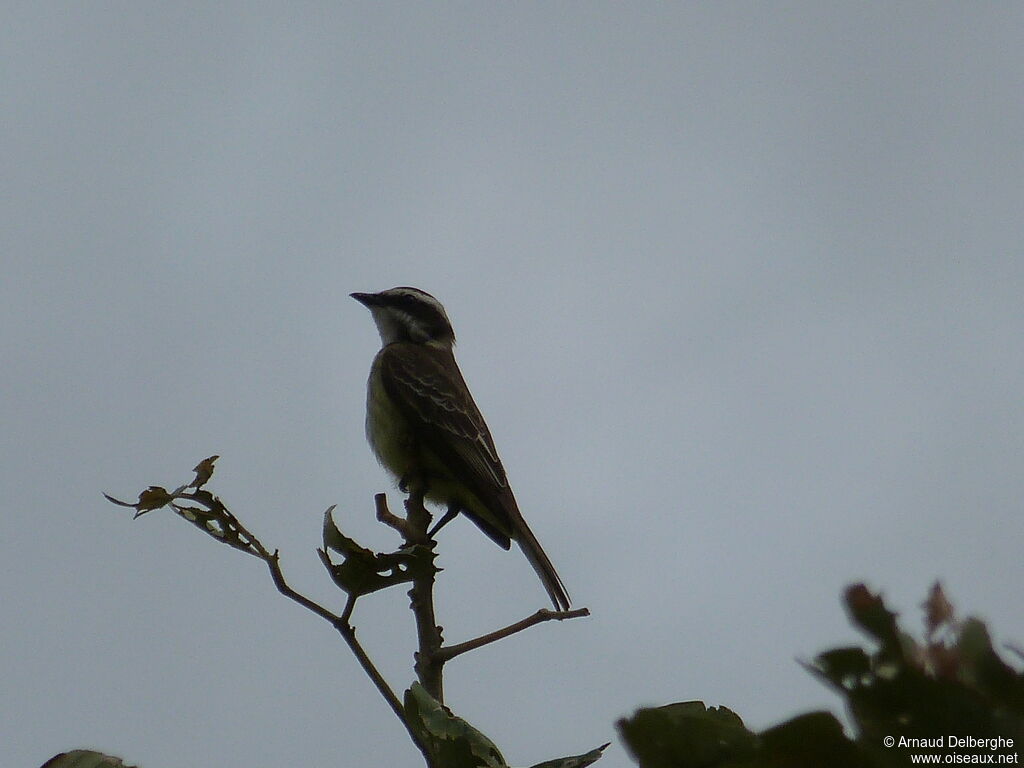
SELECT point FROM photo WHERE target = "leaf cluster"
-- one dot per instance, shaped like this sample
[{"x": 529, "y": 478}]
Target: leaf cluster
[{"x": 951, "y": 681}]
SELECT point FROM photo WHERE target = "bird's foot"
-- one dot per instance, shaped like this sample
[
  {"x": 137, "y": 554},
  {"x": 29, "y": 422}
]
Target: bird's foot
[{"x": 445, "y": 519}]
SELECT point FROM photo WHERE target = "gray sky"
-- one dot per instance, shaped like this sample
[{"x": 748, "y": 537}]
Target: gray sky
[{"x": 738, "y": 287}]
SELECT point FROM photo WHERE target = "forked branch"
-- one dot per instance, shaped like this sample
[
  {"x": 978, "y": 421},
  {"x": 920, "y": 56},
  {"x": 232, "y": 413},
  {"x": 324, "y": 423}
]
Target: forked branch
[
  {"x": 208, "y": 513},
  {"x": 360, "y": 572}
]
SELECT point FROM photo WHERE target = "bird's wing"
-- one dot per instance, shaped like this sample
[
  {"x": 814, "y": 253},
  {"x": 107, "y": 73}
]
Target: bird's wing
[{"x": 426, "y": 384}]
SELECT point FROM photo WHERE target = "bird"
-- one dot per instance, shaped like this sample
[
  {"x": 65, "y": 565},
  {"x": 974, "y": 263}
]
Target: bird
[{"x": 425, "y": 428}]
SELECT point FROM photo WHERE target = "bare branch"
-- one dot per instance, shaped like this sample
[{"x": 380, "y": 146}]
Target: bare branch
[
  {"x": 273, "y": 563},
  {"x": 348, "y": 632},
  {"x": 421, "y": 596},
  {"x": 385, "y": 516},
  {"x": 449, "y": 652}
]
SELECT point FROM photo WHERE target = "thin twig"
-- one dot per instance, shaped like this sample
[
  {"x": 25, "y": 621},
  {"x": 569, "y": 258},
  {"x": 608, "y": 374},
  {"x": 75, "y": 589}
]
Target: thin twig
[
  {"x": 346, "y": 615},
  {"x": 348, "y": 632},
  {"x": 273, "y": 563},
  {"x": 448, "y": 652},
  {"x": 385, "y": 516}
]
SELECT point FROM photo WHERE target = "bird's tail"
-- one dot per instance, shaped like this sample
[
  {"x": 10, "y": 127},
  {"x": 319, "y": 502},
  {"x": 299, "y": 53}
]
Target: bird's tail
[{"x": 541, "y": 564}]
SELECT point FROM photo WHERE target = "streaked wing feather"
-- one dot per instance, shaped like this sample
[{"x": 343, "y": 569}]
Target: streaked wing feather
[{"x": 434, "y": 394}]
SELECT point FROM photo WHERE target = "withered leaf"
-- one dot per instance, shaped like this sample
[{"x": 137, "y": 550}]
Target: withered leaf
[
  {"x": 937, "y": 609},
  {"x": 204, "y": 471}
]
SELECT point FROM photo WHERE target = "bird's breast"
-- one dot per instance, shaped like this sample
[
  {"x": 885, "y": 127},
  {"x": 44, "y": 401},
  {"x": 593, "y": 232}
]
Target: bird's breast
[{"x": 387, "y": 429}]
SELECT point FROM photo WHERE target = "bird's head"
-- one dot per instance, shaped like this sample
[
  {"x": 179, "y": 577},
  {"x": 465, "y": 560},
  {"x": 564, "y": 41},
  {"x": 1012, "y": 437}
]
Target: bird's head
[{"x": 409, "y": 314}]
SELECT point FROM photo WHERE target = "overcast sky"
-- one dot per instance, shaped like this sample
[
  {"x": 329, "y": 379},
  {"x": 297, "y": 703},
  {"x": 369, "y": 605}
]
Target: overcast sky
[{"x": 738, "y": 287}]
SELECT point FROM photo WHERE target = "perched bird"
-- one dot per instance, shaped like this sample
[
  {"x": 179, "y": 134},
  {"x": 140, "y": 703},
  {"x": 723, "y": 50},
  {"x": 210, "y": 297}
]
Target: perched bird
[{"x": 424, "y": 427}]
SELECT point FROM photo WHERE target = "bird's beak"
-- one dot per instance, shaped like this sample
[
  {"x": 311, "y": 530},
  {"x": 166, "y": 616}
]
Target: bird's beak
[{"x": 366, "y": 299}]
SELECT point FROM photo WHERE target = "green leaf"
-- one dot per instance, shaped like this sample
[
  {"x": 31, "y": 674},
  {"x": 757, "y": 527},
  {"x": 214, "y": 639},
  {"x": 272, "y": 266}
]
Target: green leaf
[
  {"x": 868, "y": 611},
  {"x": 845, "y": 668},
  {"x": 83, "y": 758},
  {"x": 982, "y": 668},
  {"x": 452, "y": 741},
  {"x": 686, "y": 735},
  {"x": 952, "y": 683},
  {"x": 815, "y": 738}
]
